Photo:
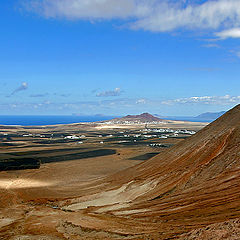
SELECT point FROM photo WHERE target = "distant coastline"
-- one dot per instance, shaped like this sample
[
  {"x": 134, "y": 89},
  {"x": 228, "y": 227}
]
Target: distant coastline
[
  {"x": 27, "y": 120},
  {"x": 189, "y": 119}
]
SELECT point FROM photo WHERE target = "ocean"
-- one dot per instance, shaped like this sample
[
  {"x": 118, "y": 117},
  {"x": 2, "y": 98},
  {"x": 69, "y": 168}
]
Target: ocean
[
  {"x": 49, "y": 120},
  {"x": 189, "y": 119},
  {"x": 27, "y": 120}
]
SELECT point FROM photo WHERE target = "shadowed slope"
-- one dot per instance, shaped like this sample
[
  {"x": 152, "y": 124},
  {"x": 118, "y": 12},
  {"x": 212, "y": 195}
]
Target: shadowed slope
[{"x": 193, "y": 184}]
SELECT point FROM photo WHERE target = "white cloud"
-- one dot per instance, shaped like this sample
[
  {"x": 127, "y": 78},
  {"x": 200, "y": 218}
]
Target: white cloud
[
  {"x": 230, "y": 33},
  {"x": 83, "y": 9},
  {"x": 119, "y": 105},
  {"x": 208, "y": 15},
  {"x": 141, "y": 101},
  {"x": 24, "y": 86},
  {"x": 235, "y": 53},
  {"x": 209, "y": 100},
  {"x": 152, "y": 15},
  {"x": 47, "y": 106},
  {"x": 114, "y": 93}
]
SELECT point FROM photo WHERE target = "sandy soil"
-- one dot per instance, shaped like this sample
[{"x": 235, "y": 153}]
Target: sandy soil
[{"x": 180, "y": 193}]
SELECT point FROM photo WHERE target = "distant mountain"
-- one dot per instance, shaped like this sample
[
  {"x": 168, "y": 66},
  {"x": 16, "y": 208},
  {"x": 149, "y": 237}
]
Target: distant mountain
[
  {"x": 210, "y": 115},
  {"x": 204, "y": 117},
  {"x": 142, "y": 118}
]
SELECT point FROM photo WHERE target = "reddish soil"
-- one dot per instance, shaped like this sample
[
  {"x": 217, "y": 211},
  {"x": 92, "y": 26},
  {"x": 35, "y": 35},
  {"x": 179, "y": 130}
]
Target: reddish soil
[{"x": 175, "y": 195}]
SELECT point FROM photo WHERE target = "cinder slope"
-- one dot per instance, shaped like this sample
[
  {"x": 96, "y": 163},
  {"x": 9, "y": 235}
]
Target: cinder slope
[
  {"x": 142, "y": 118},
  {"x": 194, "y": 184}
]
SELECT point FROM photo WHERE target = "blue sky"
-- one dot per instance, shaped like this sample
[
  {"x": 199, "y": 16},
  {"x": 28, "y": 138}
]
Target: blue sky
[{"x": 119, "y": 57}]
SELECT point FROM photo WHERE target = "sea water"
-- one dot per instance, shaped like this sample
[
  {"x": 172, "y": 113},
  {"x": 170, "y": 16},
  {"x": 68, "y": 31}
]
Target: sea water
[{"x": 49, "y": 120}]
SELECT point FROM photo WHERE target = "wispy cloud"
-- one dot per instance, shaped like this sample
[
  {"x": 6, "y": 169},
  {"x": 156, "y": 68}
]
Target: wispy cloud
[
  {"x": 65, "y": 95},
  {"x": 40, "y": 95},
  {"x": 120, "y": 105},
  {"x": 211, "y": 45},
  {"x": 113, "y": 93},
  {"x": 83, "y": 9},
  {"x": 209, "y": 100},
  {"x": 112, "y": 105},
  {"x": 24, "y": 86},
  {"x": 235, "y": 52},
  {"x": 207, "y": 15},
  {"x": 141, "y": 101},
  {"x": 152, "y": 15},
  {"x": 229, "y": 33}
]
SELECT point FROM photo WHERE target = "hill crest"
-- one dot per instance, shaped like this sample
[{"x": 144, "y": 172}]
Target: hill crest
[{"x": 141, "y": 118}]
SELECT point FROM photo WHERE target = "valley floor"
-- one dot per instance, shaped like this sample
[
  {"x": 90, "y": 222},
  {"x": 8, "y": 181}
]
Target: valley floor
[{"x": 44, "y": 203}]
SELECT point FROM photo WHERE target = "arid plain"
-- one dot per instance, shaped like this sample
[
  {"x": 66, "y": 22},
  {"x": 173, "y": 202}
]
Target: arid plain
[{"x": 122, "y": 181}]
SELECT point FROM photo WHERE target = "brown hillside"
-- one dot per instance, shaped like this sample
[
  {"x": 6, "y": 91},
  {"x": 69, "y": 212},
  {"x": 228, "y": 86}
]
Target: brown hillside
[
  {"x": 191, "y": 185},
  {"x": 143, "y": 118}
]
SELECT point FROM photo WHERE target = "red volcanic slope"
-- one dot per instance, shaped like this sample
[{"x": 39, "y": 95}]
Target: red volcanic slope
[
  {"x": 191, "y": 185},
  {"x": 144, "y": 117}
]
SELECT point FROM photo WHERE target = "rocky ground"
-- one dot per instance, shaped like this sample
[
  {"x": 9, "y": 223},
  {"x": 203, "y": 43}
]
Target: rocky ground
[{"x": 189, "y": 190}]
